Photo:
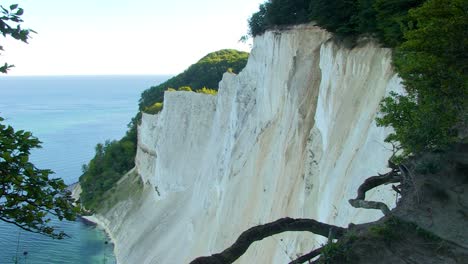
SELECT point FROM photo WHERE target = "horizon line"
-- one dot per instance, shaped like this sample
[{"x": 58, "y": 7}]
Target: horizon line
[{"x": 87, "y": 75}]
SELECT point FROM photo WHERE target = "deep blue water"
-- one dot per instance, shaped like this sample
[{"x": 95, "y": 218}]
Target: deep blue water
[{"x": 70, "y": 115}]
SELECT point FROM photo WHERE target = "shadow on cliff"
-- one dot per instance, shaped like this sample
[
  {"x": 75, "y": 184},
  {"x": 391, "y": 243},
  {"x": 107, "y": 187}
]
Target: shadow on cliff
[{"x": 428, "y": 225}]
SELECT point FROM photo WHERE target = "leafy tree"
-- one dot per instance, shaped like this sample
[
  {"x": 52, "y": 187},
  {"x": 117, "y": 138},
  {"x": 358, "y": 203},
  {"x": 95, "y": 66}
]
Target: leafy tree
[
  {"x": 433, "y": 64},
  {"x": 10, "y": 20},
  {"x": 111, "y": 161},
  {"x": 365, "y": 18},
  {"x": 334, "y": 15},
  {"x": 257, "y": 22},
  {"x": 287, "y": 12},
  {"x": 391, "y": 18},
  {"x": 27, "y": 195},
  {"x": 277, "y": 13}
]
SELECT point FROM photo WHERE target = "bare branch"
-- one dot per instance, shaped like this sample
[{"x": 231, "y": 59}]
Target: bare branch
[
  {"x": 307, "y": 256},
  {"x": 392, "y": 176},
  {"x": 260, "y": 232}
]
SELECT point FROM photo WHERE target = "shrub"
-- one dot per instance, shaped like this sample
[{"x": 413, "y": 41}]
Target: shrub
[
  {"x": 185, "y": 88},
  {"x": 433, "y": 113},
  {"x": 205, "y": 90},
  {"x": 111, "y": 161},
  {"x": 154, "y": 109}
]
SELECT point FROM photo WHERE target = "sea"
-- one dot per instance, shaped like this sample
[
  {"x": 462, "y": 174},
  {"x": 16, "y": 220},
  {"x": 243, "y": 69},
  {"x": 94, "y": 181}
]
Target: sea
[{"x": 70, "y": 115}]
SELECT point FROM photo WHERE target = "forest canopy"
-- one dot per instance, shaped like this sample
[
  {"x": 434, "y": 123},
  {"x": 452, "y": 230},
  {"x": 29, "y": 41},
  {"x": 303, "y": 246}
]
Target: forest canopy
[{"x": 382, "y": 19}]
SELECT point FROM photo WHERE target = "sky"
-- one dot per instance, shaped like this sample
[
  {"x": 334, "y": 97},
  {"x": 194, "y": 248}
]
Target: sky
[{"x": 107, "y": 37}]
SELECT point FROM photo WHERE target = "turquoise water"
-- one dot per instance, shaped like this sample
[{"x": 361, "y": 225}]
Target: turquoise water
[{"x": 70, "y": 115}]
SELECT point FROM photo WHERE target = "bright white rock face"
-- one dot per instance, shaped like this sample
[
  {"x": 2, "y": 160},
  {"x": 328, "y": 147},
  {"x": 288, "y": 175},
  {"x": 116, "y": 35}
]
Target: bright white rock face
[{"x": 292, "y": 135}]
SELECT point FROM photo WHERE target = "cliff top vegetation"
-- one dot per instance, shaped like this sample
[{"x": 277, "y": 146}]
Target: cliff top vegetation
[
  {"x": 207, "y": 72},
  {"x": 429, "y": 38}
]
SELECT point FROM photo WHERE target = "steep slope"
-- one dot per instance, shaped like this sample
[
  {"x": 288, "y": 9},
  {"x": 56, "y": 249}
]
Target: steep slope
[{"x": 292, "y": 135}]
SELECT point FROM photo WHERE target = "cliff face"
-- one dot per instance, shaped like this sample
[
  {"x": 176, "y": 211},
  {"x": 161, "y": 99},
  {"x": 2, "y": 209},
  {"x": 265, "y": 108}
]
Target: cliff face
[{"x": 292, "y": 135}]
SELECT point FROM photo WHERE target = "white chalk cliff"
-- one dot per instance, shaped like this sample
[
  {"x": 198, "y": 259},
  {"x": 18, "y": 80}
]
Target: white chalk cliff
[{"x": 292, "y": 135}]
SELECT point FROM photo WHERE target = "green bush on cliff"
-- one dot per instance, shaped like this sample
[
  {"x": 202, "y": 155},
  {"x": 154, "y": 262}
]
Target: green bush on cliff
[
  {"x": 154, "y": 109},
  {"x": 185, "y": 89},
  {"x": 433, "y": 64},
  {"x": 205, "y": 90},
  {"x": 207, "y": 72},
  {"x": 112, "y": 160},
  {"x": 347, "y": 18}
]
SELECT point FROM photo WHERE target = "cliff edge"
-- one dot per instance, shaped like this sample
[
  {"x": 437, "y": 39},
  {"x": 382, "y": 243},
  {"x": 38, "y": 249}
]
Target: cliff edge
[{"x": 292, "y": 135}]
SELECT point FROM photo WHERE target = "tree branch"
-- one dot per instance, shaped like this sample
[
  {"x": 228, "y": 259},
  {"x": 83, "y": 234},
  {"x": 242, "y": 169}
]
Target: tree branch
[
  {"x": 370, "y": 183},
  {"x": 260, "y": 232},
  {"x": 307, "y": 256},
  {"x": 19, "y": 225}
]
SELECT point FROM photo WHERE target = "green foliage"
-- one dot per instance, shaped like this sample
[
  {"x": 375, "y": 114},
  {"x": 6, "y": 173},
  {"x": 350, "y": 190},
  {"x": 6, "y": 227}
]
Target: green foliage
[
  {"x": 334, "y": 15},
  {"x": 429, "y": 164},
  {"x": 391, "y": 18},
  {"x": 154, "y": 109},
  {"x": 335, "y": 253},
  {"x": 129, "y": 187},
  {"x": 158, "y": 106},
  {"x": 346, "y": 18},
  {"x": 185, "y": 88},
  {"x": 388, "y": 231},
  {"x": 111, "y": 161},
  {"x": 365, "y": 19},
  {"x": 10, "y": 25},
  {"x": 27, "y": 195},
  {"x": 418, "y": 126},
  {"x": 205, "y": 90},
  {"x": 278, "y": 13},
  {"x": 430, "y": 40},
  {"x": 394, "y": 229},
  {"x": 257, "y": 22},
  {"x": 207, "y": 72},
  {"x": 433, "y": 64}
]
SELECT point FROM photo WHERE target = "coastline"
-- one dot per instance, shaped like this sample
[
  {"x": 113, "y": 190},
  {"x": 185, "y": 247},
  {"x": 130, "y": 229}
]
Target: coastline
[
  {"x": 94, "y": 219},
  {"x": 101, "y": 224}
]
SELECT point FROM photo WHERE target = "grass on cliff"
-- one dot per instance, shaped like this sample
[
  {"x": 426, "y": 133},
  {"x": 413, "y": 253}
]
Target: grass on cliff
[{"x": 129, "y": 186}]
